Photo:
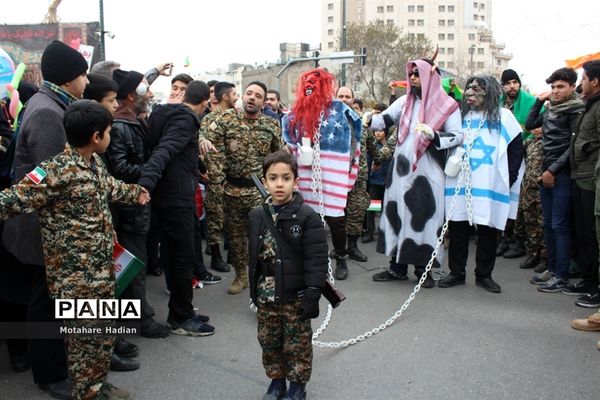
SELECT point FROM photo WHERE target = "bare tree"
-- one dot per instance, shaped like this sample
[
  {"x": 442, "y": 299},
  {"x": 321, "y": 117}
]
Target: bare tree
[{"x": 388, "y": 51}]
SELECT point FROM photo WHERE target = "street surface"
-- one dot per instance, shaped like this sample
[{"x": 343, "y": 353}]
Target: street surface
[{"x": 455, "y": 343}]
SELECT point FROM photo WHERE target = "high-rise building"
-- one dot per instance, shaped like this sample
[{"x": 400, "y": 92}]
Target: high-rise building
[{"x": 461, "y": 29}]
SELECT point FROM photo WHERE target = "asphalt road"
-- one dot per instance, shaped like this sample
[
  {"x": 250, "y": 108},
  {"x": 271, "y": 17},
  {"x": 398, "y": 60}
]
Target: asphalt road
[{"x": 456, "y": 343}]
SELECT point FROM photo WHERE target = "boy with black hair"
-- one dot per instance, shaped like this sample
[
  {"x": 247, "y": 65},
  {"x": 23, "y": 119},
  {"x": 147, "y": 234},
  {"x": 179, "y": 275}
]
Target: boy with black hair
[
  {"x": 102, "y": 89},
  {"x": 71, "y": 192},
  {"x": 171, "y": 173},
  {"x": 288, "y": 271}
]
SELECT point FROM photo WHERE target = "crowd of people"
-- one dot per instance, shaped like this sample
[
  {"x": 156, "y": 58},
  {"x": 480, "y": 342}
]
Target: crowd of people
[{"x": 93, "y": 161}]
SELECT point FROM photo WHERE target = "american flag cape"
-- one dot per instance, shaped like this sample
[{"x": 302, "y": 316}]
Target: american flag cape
[{"x": 339, "y": 162}]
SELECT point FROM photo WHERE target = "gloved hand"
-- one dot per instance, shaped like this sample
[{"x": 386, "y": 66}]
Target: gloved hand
[
  {"x": 425, "y": 131},
  {"x": 310, "y": 303}
]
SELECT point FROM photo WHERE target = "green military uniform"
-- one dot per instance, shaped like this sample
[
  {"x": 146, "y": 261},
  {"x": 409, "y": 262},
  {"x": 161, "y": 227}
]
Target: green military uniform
[
  {"x": 530, "y": 202},
  {"x": 285, "y": 339},
  {"x": 214, "y": 193},
  {"x": 358, "y": 198},
  {"x": 72, "y": 202},
  {"x": 242, "y": 144}
]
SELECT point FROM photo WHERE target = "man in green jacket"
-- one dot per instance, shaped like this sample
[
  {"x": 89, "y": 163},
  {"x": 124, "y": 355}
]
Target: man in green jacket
[{"x": 585, "y": 145}]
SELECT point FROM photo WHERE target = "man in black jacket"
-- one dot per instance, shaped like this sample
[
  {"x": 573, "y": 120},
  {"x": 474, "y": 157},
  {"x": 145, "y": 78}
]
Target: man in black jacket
[
  {"x": 171, "y": 173},
  {"x": 558, "y": 123},
  {"x": 126, "y": 155}
]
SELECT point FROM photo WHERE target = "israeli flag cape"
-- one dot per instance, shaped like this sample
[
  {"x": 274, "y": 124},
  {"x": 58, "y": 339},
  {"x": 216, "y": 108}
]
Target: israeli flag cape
[{"x": 493, "y": 200}]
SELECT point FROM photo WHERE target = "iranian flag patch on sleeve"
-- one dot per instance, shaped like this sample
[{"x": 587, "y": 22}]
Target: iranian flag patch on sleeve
[{"x": 37, "y": 175}]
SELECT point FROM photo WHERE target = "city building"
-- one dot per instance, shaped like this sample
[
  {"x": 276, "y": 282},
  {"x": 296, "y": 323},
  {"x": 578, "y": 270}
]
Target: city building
[{"x": 461, "y": 29}]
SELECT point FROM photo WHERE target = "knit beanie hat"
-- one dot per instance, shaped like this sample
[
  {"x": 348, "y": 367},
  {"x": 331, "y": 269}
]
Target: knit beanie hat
[
  {"x": 509, "y": 75},
  {"x": 128, "y": 82},
  {"x": 61, "y": 63}
]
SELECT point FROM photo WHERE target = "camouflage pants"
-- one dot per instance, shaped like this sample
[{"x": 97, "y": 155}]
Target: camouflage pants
[
  {"x": 236, "y": 225},
  {"x": 89, "y": 362},
  {"x": 286, "y": 341},
  {"x": 214, "y": 213},
  {"x": 530, "y": 204},
  {"x": 356, "y": 207}
]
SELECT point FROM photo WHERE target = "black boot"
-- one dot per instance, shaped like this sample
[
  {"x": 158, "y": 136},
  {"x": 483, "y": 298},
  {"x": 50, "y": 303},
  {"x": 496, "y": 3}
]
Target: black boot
[
  {"x": 453, "y": 279},
  {"x": 429, "y": 281},
  {"x": 297, "y": 391},
  {"x": 277, "y": 389},
  {"x": 502, "y": 246},
  {"x": 216, "y": 261},
  {"x": 341, "y": 269},
  {"x": 516, "y": 251},
  {"x": 530, "y": 262},
  {"x": 367, "y": 236},
  {"x": 118, "y": 363},
  {"x": 353, "y": 252}
]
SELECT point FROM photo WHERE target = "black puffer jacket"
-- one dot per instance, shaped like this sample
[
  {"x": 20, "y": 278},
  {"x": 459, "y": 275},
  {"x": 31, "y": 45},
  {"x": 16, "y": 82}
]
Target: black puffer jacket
[
  {"x": 126, "y": 155},
  {"x": 171, "y": 173},
  {"x": 556, "y": 138},
  {"x": 303, "y": 230}
]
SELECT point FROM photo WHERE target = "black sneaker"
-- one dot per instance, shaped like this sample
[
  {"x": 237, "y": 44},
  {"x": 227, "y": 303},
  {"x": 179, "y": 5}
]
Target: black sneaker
[
  {"x": 211, "y": 279},
  {"x": 191, "y": 327},
  {"x": 555, "y": 284},
  {"x": 389, "y": 275},
  {"x": 542, "y": 278},
  {"x": 581, "y": 288},
  {"x": 589, "y": 301}
]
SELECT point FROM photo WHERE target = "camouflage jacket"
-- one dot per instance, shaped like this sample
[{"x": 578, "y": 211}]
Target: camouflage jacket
[
  {"x": 72, "y": 201},
  {"x": 533, "y": 162},
  {"x": 242, "y": 144},
  {"x": 384, "y": 153}
]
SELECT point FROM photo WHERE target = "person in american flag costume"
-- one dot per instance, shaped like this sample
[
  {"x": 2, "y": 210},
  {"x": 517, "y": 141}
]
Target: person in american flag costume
[{"x": 324, "y": 132}]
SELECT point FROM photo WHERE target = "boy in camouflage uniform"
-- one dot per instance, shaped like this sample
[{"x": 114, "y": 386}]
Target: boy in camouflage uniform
[
  {"x": 287, "y": 274},
  {"x": 71, "y": 192}
]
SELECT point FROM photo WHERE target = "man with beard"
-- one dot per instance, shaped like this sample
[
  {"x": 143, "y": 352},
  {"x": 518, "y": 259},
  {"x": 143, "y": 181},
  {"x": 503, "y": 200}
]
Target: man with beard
[
  {"x": 325, "y": 132},
  {"x": 489, "y": 188},
  {"x": 126, "y": 156},
  {"x": 585, "y": 145},
  {"x": 226, "y": 96},
  {"x": 242, "y": 140},
  {"x": 358, "y": 198},
  {"x": 274, "y": 103},
  {"x": 519, "y": 103},
  {"x": 413, "y": 211}
]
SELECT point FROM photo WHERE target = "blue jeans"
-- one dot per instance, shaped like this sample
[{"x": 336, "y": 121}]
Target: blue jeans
[{"x": 556, "y": 205}]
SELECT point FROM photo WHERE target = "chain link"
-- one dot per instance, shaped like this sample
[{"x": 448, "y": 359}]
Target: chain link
[{"x": 465, "y": 173}]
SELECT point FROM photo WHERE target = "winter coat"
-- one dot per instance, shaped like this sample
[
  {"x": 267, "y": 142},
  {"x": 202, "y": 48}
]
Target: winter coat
[
  {"x": 171, "y": 173},
  {"x": 586, "y": 141},
  {"x": 556, "y": 137},
  {"x": 126, "y": 155},
  {"x": 41, "y": 136},
  {"x": 303, "y": 230}
]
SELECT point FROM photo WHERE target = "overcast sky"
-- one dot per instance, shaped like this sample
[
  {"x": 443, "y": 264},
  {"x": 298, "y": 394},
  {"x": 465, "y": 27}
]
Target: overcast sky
[{"x": 540, "y": 34}]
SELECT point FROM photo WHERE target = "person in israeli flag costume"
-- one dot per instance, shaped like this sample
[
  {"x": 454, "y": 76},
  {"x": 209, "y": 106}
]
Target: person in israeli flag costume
[
  {"x": 489, "y": 190},
  {"x": 413, "y": 211}
]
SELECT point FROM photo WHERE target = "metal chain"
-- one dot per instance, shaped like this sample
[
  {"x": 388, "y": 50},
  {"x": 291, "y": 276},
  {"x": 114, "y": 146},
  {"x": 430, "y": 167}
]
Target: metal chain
[
  {"x": 465, "y": 172},
  {"x": 317, "y": 189},
  {"x": 469, "y": 139}
]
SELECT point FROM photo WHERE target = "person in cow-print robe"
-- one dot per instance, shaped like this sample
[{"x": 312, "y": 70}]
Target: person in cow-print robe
[{"x": 429, "y": 125}]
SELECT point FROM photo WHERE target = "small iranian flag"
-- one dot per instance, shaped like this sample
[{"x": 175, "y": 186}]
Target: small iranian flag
[
  {"x": 37, "y": 175},
  {"x": 375, "y": 206},
  {"x": 127, "y": 266}
]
